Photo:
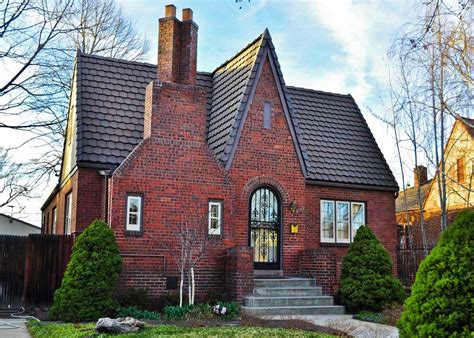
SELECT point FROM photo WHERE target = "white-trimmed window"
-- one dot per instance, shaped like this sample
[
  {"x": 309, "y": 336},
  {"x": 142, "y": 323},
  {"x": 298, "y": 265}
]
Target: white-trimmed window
[
  {"x": 358, "y": 217},
  {"x": 215, "y": 218},
  {"x": 327, "y": 221},
  {"x": 340, "y": 220},
  {"x": 55, "y": 219},
  {"x": 134, "y": 213},
  {"x": 68, "y": 214}
]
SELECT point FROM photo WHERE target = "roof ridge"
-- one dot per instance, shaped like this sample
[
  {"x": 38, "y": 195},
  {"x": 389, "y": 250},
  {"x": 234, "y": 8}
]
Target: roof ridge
[
  {"x": 239, "y": 52},
  {"x": 108, "y": 58},
  {"x": 318, "y": 91}
]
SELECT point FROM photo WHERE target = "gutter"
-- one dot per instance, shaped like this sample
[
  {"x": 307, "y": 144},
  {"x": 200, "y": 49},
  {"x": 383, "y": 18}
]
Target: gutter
[{"x": 351, "y": 185}]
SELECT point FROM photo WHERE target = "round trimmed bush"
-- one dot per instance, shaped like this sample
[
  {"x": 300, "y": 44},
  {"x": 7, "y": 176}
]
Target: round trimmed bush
[
  {"x": 367, "y": 283},
  {"x": 90, "y": 278},
  {"x": 442, "y": 298}
]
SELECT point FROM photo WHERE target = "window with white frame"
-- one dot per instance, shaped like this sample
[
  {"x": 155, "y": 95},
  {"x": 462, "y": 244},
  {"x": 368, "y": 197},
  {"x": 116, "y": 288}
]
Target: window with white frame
[
  {"x": 68, "y": 214},
  {"x": 357, "y": 217},
  {"x": 340, "y": 220},
  {"x": 55, "y": 219},
  {"x": 215, "y": 218},
  {"x": 134, "y": 213},
  {"x": 327, "y": 221}
]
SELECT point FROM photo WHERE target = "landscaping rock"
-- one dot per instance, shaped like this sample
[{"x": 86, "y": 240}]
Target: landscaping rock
[{"x": 119, "y": 325}]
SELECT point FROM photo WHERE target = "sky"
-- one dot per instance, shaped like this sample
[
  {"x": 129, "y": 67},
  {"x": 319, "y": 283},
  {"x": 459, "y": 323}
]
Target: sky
[{"x": 331, "y": 45}]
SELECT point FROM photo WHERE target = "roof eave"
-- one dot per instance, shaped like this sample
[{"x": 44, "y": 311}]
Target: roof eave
[{"x": 351, "y": 185}]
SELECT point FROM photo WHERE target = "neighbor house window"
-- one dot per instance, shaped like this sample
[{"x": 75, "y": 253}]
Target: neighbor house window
[
  {"x": 134, "y": 213},
  {"x": 340, "y": 220},
  {"x": 267, "y": 115},
  {"x": 55, "y": 218},
  {"x": 460, "y": 169},
  {"x": 68, "y": 214},
  {"x": 215, "y": 218}
]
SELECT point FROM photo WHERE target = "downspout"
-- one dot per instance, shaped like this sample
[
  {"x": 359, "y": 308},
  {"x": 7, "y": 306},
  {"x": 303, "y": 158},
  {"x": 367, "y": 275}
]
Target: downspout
[{"x": 106, "y": 174}]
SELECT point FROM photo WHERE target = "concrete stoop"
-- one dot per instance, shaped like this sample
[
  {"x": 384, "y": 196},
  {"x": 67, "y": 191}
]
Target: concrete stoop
[{"x": 288, "y": 296}]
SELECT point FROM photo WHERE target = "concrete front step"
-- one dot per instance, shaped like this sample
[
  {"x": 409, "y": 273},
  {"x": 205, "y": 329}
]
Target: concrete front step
[
  {"x": 283, "y": 282},
  {"x": 294, "y": 310},
  {"x": 289, "y": 291},
  {"x": 256, "y": 301}
]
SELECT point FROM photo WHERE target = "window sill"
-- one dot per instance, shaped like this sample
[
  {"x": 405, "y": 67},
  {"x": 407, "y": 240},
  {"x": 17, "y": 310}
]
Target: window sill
[
  {"x": 133, "y": 233},
  {"x": 215, "y": 236},
  {"x": 326, "y": 244}
]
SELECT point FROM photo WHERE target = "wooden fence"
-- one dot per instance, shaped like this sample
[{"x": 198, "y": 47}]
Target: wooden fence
[
  {"x": 31, "y": 268},
  {"x": 408, "y": 261}
]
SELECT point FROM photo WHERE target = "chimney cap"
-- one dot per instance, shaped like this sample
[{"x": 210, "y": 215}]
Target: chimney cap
[
  {"x": 170, "y": 11},
  {"x": 187, "y": 14}
]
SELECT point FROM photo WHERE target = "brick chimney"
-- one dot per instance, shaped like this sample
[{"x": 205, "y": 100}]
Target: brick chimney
[
  {"x": 177, "y": 47},
  {"x": 420, "y": 174}
]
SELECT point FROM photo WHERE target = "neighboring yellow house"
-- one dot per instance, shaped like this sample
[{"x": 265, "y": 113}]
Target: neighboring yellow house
[{"x": 459, "y": 168}]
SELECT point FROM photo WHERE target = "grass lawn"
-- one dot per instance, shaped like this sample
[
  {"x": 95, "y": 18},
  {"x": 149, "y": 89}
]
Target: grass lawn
[{"x": 53, "y": 330}]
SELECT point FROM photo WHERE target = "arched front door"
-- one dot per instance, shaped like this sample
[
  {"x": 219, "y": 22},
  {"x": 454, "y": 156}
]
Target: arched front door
[{"x": 265, "y": 228}]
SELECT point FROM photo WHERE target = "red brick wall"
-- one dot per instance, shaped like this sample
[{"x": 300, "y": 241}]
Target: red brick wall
[
  {"x": 268, "y": 157},
  {"x": 59, "y": 201},
  {"x": 239, "y": 272},
  {"x": 174, "y": 171},
  {"x": 380, "y": 217}
]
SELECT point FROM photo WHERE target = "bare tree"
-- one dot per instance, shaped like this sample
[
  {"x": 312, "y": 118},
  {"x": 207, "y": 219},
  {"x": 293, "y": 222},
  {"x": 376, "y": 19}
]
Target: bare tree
[
  {"x": 38, "y": 41},
  {"x": 192, "y": 246},
  {"x": 433, "y": 84}
]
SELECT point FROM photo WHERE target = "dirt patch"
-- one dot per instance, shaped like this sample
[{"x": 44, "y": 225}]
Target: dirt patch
[{"x": 392, "y": 314}]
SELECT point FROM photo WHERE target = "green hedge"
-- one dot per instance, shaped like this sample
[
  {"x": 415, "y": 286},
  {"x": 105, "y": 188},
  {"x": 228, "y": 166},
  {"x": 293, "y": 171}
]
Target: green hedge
[
  {"x": 442, "y": 299},
  {"x": 90, "y": 278},
  {"x": 367, "y": 282}
]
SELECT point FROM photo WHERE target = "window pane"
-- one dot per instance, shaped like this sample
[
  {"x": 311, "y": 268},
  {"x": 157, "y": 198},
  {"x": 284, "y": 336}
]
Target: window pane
[
  {"x": 214, "y": 223},
  {"x": 267, "y": 115},
  {"x": 358, "y": 217},
  {"x": 214, "y": 212},
  {"x": 215, "y": 215},
  {"x": 133, "y": 204},
  {"x": 132, "y": 219},
  {"x": 343, "y": 221},
  {"x": 327, "y": 219},
  {"x": 134, "y": 213}
]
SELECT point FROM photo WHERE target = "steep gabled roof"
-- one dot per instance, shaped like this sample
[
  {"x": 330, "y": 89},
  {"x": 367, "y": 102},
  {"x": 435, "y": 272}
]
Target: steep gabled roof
[
  {"x": 331, "y": 137},
  {"x": 339, "y": 145},
  {"x": 111, "y": 101}
]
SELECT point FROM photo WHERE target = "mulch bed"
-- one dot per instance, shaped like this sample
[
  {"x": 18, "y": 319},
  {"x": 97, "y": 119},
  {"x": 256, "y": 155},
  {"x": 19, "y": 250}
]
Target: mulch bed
[{"x": 253, "y": 322}]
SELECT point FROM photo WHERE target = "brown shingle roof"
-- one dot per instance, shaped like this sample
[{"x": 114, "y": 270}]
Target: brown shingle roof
[
  {"x": 332, "y": 138},
  {"x": 412, "y": 198}
]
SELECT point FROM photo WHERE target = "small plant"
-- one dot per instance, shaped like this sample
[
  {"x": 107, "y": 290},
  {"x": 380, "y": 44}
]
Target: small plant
[
  {"x": 169, "y": 298},
  {"x": 90, "y": 278},
  {"x": 367, "y": 282},
  {"x": 176, "y": 312},
  {"x": 135, "y": 297},
  {"x": 222, "y": 310},
  {"x": 226, "y": 310},
  {"x": 372, "y": 317},
  {"x": 441, "y": 301},
  {"x": 137, "y": 314}
]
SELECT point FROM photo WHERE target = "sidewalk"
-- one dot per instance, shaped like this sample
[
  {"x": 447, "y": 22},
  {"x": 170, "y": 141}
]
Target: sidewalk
[
  {"x": 13, "y": 328},
  {"x": 347, "y": 324}
]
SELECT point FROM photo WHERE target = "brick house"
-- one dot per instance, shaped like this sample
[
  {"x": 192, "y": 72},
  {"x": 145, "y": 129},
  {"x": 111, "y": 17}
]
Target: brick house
[
  {"x": 280, "y": 176},
  {"x": 459, "y": 168}
]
